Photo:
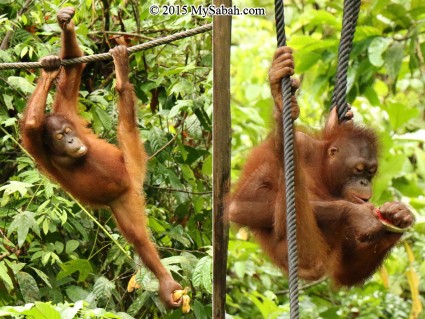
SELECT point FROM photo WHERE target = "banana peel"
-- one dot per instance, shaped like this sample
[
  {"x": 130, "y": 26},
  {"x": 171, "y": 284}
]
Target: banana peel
[
  {"x": 177, "y": 294},
  {"x": 132, "y": 284},
  {"x": 186, "y": 304}
]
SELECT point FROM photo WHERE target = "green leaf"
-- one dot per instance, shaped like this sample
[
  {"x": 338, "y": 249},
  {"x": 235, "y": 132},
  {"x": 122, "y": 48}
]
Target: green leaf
[
  {"x": 180, "y": 238},
  {"x": 239, "y": 268},
  {"x": 24, "y": 51},
  {"x": 207, "y": 166},
  {"x": 20, "y": 84},
  {"x": 393, "y": 59},
  {"x": 28, "y": 287},
  {"x": 43, "y": 311},
  {"x": 389, "y": 168},
  {"x": 137, "y": 304},
  {"x": 372, "y": 96},
  {"x": 45, "y": 258},
  {"x": 82, "y": 266},
  {"x": 173, "y": 260},
  {"x": 11, "y": 311},
  {"x": 399, "y": 12},
  {"x": 104, "y": 118},
  {"x": 331, "y": 313},
  {"x": 157, "y": 138},
  {"x": 400, "y": 114},
  {"x": 59, "y": 247},
  {"x": 123, "y": 315},
  {"x": 202, "y": 275},
  {"x": 70, "y": 313},
  {"x": 179, "y": 106},
  {"x": 71, "y": 246},
  {"x": 367, "y": 31},
  {"x": 15, "y": 186},
  {"x": 103, "y": 288},
  {"x": 45, "y": 226},
  {"x": 16, "y": 267},
  {"x": 376, "y": 50},
  {"x": 22, "y": 223},
  {"x": 307, "y": 61},
  {"x": 263, "y": 304},
  {"x": 24, "y": 19},
  {"x": 199, "y": 310},
  {"x": 76, "y": 293},
  {"x": 42, "y": 275},
  {"x": 8, "y": 100},
  {"x": 4, "y": 276},
  {"x": 182, "y": 88},
  {"x": 320, "y": 18}
]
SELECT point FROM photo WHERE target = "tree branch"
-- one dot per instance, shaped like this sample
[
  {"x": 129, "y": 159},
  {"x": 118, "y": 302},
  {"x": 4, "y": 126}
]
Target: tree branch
[
  {"x": 179, "y": 190},
  {"x": 5, "y": 43}
]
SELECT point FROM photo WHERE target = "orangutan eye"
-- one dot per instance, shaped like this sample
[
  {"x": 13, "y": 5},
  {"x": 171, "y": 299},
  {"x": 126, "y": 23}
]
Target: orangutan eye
[
  {"x": 59, "y": 136},
  {"x": 67, "y": 130},
  {"x": 372, "y": 171},
  {"x": 359, "y": 168}
]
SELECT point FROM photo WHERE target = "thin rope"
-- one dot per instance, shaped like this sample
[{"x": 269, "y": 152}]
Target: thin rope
[
  {"x": 107, "y": 56},
  {"x": 349, "y": 21},
  {"x": 288, "y": 154}
]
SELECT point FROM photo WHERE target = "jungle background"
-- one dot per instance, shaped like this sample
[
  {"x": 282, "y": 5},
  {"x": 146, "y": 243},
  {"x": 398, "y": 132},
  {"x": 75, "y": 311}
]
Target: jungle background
[
  {"x": 55, "y": 259},
  {"x": 386, "y": 88}
]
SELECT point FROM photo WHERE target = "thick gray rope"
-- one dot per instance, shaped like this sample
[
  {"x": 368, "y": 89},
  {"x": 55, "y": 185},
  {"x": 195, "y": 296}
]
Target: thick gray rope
[
  {"x": 349, "y": 21},
  {"x": 107, "y": 56},
  {"x": 288, "y": 154}
]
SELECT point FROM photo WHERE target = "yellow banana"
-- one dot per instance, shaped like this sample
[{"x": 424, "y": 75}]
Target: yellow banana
[{"x": 186, "y": 304}]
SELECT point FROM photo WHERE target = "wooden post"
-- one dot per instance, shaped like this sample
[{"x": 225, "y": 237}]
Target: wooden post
[{"x": 221, "y": 153}]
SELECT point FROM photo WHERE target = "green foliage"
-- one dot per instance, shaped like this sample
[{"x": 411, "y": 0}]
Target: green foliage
[
  {"x": 385, "y": 86},
  {"x": 56, "y": 260}
]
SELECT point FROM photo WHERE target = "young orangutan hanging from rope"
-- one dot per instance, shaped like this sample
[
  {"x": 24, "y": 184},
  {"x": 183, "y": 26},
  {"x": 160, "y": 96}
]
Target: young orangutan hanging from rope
[
  {"x": 339, "y": 232},
  {"x": 92, "y": 170}
]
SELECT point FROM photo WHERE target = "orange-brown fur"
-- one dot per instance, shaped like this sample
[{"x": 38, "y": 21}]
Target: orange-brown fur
[
  {"x": 106, "y": 176},
  {"x": 338, "y": 233}
]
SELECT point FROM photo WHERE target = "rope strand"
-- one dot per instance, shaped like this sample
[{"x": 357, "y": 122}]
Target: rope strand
[
  {"x": 107, "y": 56},
  {"x": 349, "y": 21},
  {"x": 351, "y": 12},
  {"x": 288, "y": 154}
]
